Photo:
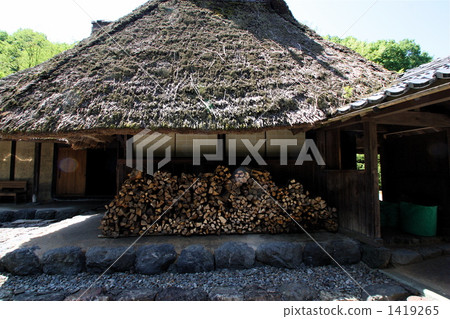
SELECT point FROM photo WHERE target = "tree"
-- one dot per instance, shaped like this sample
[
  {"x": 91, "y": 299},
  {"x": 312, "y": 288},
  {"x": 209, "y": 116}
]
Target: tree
[
  {"x": 394, "y": 56},
  {"x": 25, "y": 49},
  {"x": 3, "y": 35}
]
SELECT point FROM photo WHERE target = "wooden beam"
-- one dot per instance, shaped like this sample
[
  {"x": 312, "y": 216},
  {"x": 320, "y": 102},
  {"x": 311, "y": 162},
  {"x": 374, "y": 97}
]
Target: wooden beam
[
  {"x": 413, "y": 104},
  {"x": 371, "y": 169},
  {"x": 421, "y": 119},
  {"x": 348, "y": 122},
  {"x": 420, "y": 130},
  {"x": 439, "y": 92}
]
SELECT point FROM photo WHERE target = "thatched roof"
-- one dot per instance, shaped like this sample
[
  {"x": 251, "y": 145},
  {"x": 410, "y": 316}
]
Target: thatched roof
[{"x": 189, "y": 65}]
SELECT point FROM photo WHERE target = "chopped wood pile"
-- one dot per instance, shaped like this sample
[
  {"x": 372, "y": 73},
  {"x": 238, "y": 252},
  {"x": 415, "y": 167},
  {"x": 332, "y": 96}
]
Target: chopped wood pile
[{"x": 213, "y": 203}]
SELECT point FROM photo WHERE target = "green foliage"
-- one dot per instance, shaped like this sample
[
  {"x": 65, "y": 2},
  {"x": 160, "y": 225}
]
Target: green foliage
[
  {"x": 25, "y": 49},
  {"x": 360, "y": 162},
  {"x": 394, "y": 56},
  {"x": 3, "y": 35},
  {"x": 360, "y": 166},
  {"x": 348, "y": 92}
]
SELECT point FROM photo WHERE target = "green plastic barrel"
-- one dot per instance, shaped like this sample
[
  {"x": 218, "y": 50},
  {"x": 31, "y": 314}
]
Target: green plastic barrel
[{"x": 418, "y": 220}]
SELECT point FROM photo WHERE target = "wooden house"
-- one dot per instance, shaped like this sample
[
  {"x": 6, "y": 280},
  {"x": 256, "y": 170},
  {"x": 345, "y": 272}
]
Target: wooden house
[
  {"x": 405, "y": 130},
  {"x": 217, "y": 70}
]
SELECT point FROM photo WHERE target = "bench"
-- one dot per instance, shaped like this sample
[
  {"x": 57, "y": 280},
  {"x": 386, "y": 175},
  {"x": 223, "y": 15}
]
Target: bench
[{"x": 13, "y": 189}]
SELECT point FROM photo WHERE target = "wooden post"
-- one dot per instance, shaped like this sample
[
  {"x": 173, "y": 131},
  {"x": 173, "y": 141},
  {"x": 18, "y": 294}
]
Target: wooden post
[
  {"x": 120, "y": 158},
  {"x": 321, "y": 143},
  {"x": 448, "y": 147},
  {"x": 37, "y": 169},
  {"x": 371, "y": 168},
  {"x": 319, "y": 174},
  {"x": 384, "y": 168},
  {"x": 333, "y": 154},
  {"x": 12, "y": 165}
]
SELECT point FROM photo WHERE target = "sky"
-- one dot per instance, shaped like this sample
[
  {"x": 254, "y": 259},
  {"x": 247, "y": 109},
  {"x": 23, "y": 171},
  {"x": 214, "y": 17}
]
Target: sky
[{"x": 425, "y": 21}]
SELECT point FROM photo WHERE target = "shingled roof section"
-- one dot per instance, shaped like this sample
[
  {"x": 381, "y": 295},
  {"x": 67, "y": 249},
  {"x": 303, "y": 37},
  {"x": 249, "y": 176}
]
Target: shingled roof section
[
  {"x": 189, "y": 65},
  {"x": 415, "y": 80}
]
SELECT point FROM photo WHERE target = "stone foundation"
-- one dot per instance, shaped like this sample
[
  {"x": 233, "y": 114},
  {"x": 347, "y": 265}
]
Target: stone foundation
[{"x": 158, "y": 258}]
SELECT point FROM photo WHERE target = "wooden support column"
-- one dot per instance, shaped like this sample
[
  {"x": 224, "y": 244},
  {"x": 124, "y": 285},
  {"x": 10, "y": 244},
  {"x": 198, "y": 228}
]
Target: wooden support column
[
  {"x": 371, "y": 168},
  {"x": 12, "y": 167},
  {"x": 120, "y": 165},
  {"x": 37, "y": 170},
  {"x": 333, "y": 153},
  {"x": 384, "y": 167},
  {"x": 320, "y": 171},
  {"x": 448, "y": 147},
  {"x": 321, "y": 143}
]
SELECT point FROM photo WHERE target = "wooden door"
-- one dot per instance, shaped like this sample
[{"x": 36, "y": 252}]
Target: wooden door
[{"x": 71, "y": 174}]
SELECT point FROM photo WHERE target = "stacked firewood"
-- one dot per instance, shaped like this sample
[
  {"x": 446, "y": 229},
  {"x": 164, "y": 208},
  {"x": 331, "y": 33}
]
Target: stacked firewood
[{"x": 245, "y": 201}]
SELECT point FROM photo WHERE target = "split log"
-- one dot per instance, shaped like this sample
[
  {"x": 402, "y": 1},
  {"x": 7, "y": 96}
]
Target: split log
[{"x": 245, "y": 201}]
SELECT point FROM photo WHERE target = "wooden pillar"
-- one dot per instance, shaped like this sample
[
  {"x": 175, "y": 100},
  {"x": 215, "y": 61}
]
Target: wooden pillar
[
  {"x": 371, "y": 168},
  {"x": 37, "y": 170},
  {"x": 448, "y": 147},
  {"x": 321, "y": 143},
  {"x": 12, "y": 167},
  {"x": 333, "y": 152},
  {"x": 120, "y": 161},
  {"x": 384, "y": 168},
  {"x": 319, "y": 172}
]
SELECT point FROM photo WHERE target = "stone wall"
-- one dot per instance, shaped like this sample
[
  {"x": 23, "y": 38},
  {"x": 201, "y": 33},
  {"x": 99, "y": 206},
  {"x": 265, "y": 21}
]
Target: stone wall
[{"x": 158, "y": 258}]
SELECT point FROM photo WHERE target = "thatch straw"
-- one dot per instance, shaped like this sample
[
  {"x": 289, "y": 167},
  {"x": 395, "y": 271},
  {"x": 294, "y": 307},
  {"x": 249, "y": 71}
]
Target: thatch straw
[{"x": 189, "y": 65}]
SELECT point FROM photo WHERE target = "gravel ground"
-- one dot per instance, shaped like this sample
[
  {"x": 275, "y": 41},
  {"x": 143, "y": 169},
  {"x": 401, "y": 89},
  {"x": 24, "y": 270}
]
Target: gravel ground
[{"x": 330, "y": 281}]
